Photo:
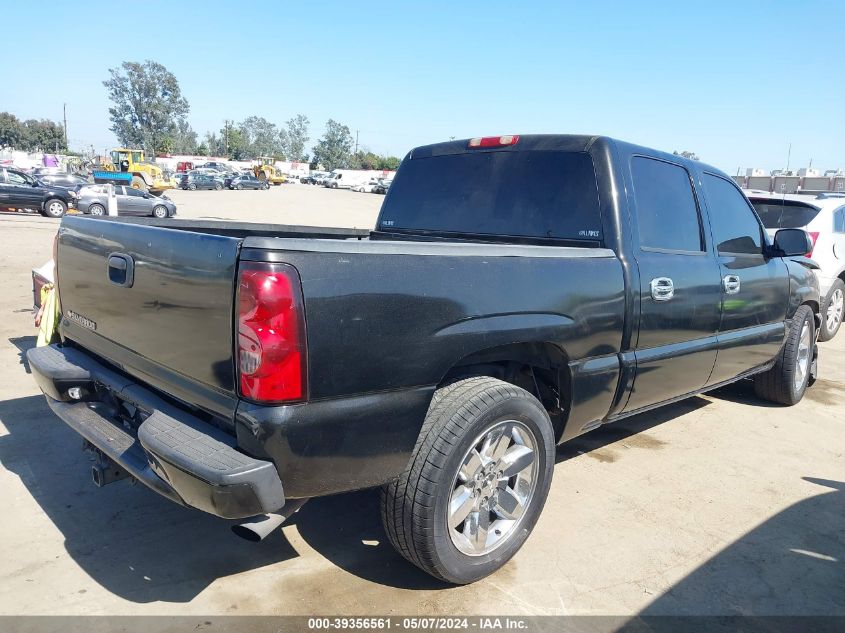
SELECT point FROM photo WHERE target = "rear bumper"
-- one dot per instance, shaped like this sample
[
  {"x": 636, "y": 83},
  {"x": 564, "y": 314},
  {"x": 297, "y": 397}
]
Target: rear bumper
[{"x": 177, "y": 455}]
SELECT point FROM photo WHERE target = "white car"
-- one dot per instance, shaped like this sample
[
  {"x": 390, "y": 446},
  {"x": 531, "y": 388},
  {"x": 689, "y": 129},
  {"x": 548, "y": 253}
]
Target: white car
[
  {"x": 823, "y": 217},
  {"x": 367, "y": 187}
]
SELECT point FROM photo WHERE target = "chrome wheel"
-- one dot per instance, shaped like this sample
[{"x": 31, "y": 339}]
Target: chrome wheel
[
  {"x": 56, "y": 208},
  {"x": 834, "y": 310},
  {"x": 802, "y": 362},
  {"x": 493, "y": 488}
]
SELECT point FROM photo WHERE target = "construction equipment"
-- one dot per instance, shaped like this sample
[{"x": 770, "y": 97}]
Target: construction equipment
[
  {"x": 265, "y": 170},
  {"x": 146, "y": 176}
]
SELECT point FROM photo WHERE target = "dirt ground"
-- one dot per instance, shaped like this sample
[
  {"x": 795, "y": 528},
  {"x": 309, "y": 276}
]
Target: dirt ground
[{"x": 721, "y": 504}]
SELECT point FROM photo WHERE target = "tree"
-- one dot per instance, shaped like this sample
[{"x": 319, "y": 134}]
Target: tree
[
  {"x": 686, "y": 154},
  {"x": 297, "y": 137},
  {"x": 184, "y": 138},
  {"x": 234, "y": 142},
  {"x": 262, "y": 138},
  {"x": 364, "y": 160},
  {"x": 11, "y": 131},
  {"x": 334, "y": 149},
  {"x": 202, "y": 149},
  {"x": 389, "y": 162},
  {"x": 148, "y": 104},
  {"x": 43, "y": 136}
]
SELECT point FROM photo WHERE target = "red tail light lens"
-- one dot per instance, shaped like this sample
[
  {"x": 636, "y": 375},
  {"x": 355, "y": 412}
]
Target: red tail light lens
[
  {"x": 493, "y": 141},
  {"x": 271, "y": 333},
  {"x": 814, "y": 235}
]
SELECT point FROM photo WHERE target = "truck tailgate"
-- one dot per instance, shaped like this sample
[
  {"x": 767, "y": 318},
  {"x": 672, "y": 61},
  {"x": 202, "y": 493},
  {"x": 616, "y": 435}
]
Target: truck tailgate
[{"x": 156, "y": 302}]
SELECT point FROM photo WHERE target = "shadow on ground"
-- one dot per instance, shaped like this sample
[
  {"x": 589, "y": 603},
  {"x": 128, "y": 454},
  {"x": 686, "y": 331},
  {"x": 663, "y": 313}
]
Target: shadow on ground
[
  {"x": 792, "y": 564},
  {"x": 633, "y": 429},
  {"x": 144, "y": 548},
  {"x": 24, "y": 343}
]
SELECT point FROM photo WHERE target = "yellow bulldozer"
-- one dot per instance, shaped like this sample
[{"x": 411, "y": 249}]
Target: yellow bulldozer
[
  {"x": 145, "y": 176},
  {"x": 265, "y": 170}
]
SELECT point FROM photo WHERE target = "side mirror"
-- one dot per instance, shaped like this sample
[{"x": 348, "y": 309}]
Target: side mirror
[{"x": 792, "y": 242}]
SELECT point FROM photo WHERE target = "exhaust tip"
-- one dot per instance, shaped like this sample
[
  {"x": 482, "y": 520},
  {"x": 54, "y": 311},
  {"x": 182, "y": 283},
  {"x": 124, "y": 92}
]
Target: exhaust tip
[{"x": 246, "y": 533}]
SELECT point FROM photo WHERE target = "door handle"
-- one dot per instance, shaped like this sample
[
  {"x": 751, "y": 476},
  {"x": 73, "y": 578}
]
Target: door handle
[
  {"x": 731, "y": 284},
  {"x": 121, "y": 270},
  {"x": 662, "y": 289}
]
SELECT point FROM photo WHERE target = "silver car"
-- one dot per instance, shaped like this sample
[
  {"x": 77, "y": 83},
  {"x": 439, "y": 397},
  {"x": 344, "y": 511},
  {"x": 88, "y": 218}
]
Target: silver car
[{"x": 93, "y": 200}]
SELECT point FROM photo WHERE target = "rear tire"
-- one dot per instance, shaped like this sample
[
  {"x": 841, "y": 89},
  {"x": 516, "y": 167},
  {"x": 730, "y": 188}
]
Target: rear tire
[
  {"x": 786, "y": 382},
  {"x": 96, "y": 209},
  {"x": 138, "y": 183},
  {"x": 475, "y": 431},
  {"x": 833, "y": 310},
  {"x": 54, "y": 208}
]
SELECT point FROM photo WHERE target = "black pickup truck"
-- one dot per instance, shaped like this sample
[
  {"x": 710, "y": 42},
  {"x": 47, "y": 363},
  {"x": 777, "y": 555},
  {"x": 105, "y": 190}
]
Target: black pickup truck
[{"x": 515, "y": 293}]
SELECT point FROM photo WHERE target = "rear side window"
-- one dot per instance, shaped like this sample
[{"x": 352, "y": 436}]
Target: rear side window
[
  {"x": 784, "y": 214},
  {"x": 667, "y": 213},
  {"x": 839, "y": 220},
  {"x": 736, "y": 230},
  {"x": 533, "y": 194}
]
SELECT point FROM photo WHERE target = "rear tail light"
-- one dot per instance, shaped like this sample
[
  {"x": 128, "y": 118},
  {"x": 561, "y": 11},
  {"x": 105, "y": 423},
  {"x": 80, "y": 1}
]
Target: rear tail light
[
  {"x": 814, "y": 235},
  {"x": 493, "y": 141},
  {"x": 271, "y": 333}
]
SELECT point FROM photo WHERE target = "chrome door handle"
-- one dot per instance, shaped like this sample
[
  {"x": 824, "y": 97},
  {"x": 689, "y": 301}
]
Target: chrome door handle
[
  {"x": 662, "y": 289},
  {"x": 731, "y": 284}
]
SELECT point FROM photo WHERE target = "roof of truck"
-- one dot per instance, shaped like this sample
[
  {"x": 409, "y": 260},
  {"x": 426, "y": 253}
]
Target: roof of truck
[{"x": 558, "y": 142}]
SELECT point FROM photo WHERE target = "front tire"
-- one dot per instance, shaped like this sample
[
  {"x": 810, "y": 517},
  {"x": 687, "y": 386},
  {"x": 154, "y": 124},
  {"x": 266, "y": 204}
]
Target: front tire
[
  {"x": 192, "y": 187},
  {"x": 786, "y": 382},
  {"x": 476, "y": 483},
  {"x": 159, "y": 211},
  {"x": 217, "y": 186},
  {"x": 833, "y": 311},
  {"x": 54, "y": 208}
]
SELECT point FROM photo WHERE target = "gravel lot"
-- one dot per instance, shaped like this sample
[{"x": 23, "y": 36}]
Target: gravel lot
[{"x": 717, "y": 505}]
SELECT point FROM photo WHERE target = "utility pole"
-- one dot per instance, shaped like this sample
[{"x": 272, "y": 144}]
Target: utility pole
[
  {"x": 226, "y": 136},
  {"x": 356, "y": 141},
  {"x": 64, "y": 116}
]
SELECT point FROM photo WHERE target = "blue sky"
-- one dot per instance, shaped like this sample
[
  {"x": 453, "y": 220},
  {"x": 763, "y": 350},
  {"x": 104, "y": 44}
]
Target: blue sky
[{"x": 735, "y": 82}]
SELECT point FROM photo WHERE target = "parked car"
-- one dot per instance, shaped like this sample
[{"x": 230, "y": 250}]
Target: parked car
[
  {"x": 68, "y": 181},
  {"x": 367, "y": 187},
  {"x": 310, "y": 179},
  {"x": 23, "y": 191},
  {"x": 217, "y": 166},
  {"x": 383, "y": 186},
  {"x": 246, "y": 181},
  {"x": 195, "y": 180},
  {"x": 93, "y": 200},
  {"x": 546, "y": 286},
  {"x": 823, "y": 217}
]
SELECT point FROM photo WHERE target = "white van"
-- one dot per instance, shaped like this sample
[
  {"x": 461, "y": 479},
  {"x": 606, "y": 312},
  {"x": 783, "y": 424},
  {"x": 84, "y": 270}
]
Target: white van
[{"x": 348, "y": 178}]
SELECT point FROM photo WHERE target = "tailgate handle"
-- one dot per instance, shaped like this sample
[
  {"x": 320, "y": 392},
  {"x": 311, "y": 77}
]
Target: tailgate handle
[{"x": 121, "y": 270}]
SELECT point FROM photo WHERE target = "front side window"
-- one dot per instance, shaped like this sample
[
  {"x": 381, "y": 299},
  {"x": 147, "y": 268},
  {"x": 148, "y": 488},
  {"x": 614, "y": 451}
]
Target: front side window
[
  {"x": 736, "y": 230},
  {"x": 667, "y": 212},
  {"x": 16, "y": 178}
]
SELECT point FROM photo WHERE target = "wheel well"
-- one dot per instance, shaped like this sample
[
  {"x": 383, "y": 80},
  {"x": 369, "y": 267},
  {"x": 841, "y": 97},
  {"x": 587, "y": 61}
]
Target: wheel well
[
  {"x": 817, "y": 316},
  {"x": 542, "y": 369}
]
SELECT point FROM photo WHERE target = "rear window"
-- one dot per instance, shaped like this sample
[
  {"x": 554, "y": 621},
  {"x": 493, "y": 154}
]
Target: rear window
[
  {"x": 784, "y": 214},
  {"x": 533, "y": 194}
]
